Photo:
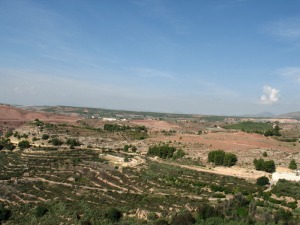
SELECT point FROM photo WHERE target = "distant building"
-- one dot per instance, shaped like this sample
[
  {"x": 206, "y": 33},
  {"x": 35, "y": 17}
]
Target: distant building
[{"x": 109, "y": 119}]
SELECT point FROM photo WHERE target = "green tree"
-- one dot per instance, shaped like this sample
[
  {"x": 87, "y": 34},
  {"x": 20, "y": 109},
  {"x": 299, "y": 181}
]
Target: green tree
[
  {"x": 262, "y": 165},
  {"x": 293, "y": 165},
  {"x": 230, "y": 159},
  {"x": 24, "y": 144},
  {"x": 72, "y": 142},
  {"x": 162, "y": 151},
  {"x": 269, "y": 166},
  {"x": 45, "y": 136},
  {"x": 113, "y": 214},
  {"x": 276, "y": 130},
  {"x": 56, "y": 141},
  {"x": 179, "y": 154},
  {"x": 4, "y": 213},
  {"x": 184, "y": 217},
  {"x": 40, "y": 211},
  {"x": 205, "y": 211},
  {"x": 9, "y": 134},
  {"x": 262, "y": 181},
  {"x": 219, "y": 157}
]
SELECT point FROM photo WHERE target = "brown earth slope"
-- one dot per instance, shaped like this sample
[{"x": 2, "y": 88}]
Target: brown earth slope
[{"x": 9, "y": 113}]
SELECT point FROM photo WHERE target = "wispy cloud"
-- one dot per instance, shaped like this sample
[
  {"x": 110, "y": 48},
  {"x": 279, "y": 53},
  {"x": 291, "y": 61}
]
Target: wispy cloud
[
  {"x": 288, "y": 29},
  {"x": 270, "y": 95},
  {"x": 152, "y": 73},
  {"x": 292, "y": 73},
  {"x": 160, "y": 10}
]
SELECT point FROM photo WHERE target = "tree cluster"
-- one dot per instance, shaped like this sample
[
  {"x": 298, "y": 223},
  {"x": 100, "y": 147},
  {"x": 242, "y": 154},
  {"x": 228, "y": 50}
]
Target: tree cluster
[
  {"x": 24, "y": 144},
  {"x": 273, "y": 132},
  {"x": 262, "y": 165},
  {"x": 6, "y": 144},
  {"x": 73, "y": 142},
  {"x": 165, "y": 151},
  {"x": 56, "y": 141},
  {"x": 221, "y": 158}
]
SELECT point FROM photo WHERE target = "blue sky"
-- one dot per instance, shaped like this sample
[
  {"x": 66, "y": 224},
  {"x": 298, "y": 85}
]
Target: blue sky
[{"x": 197, "y": 56}]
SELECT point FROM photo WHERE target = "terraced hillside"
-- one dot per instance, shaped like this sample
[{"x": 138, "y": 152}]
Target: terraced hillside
[{"x": 100, "y": 181}]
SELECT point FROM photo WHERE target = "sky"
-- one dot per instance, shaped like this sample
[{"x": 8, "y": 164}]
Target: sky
[{"x": 222, "y": 57}]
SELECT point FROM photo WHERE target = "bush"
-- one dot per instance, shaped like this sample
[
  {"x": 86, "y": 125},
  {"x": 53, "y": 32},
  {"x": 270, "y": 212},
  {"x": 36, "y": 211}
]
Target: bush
[
  {"x": 205, "y": 211},
  {"x": 230, "y": 159},
  {"x": 185, "y": 218},
  {"x": 293, "y": 165},
  {"x": 113, "y": 214},
  {"x": 6, "y": 144},
  {"x": 4, "y": 213},
  {"x": 24, "y": 144},
  {"x": 179, "y": 154},
  {"x": 221, "y": 158},
  {"x": 40, "y": 211},
  {"x": 9, "y": 134},
  {"x": 45, "y": 136},
  {"x": 162, "y": 151},
  {"x": 126, "y": 147},
  {"x": 56, "y": 141},
  {"x": 73, "y": 142},
  {"x": 216, "y": 157},
  {"x": 262, "y": 165},
  {"x": 262, "y": 181},
  {"x": 35, "y": 139},
  {"x": 265, "y": 154},
  {"x": 38, "y": 123},
  {"x": 134, "y": 149}
]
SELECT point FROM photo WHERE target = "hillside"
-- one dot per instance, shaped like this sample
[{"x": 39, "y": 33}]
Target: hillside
[
  {"x": 9, "y": 113},
  {"x": 98, "y": 172},
  {"x": 293, "y": 115}
]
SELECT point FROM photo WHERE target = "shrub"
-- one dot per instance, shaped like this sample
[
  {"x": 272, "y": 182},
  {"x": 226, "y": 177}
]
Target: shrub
[
  {"x": 73, "y": 142},
  {"x": 265, "y": 154},
  {"x": 38, "y": 123},
  {"x": 262, "y": 181},
  {"x": 35, "y": 139},
  {"x": 179, "y": 154},
  {"x": 134, "y": 149},
  {"x": 219, "y": 157},
  {"x": 4, "y": 213},
  {"x": 293, "y": 165},
  {"x": 56, "y": 141},
  {"x": 205, "y": 211},
  {"x": 262, "y": 165},
  {"x": 216, "y": 157},
  {"x": 24, "y": 144},
  {"x": 113, "y": 214},
  {"x": 162, "y": 151},
  {"x": 9, "y": 134},
  {"x": 185, "y": 218},
  {"x": 126, "y": 147},
  {"x": 6, "y": 144},
  {"x": 45, "y": 136},
  {"x": 230, "y": 159},
  {"x": 40, "y": 211}
]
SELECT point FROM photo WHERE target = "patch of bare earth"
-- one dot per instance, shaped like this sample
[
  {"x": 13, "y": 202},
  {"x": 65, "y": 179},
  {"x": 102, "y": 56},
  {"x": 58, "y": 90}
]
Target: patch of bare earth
[{"x": 9, "y": 113}]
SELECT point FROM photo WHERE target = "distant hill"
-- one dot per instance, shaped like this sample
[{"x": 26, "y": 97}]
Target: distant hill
[
  {"x": 10, "y": 113},
  {"x": 294, "y": 115},
  {"x": 260, "y": 115}
]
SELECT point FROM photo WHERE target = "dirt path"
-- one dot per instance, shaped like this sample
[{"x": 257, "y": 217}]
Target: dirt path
[{"x": 227, "y": 171}]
